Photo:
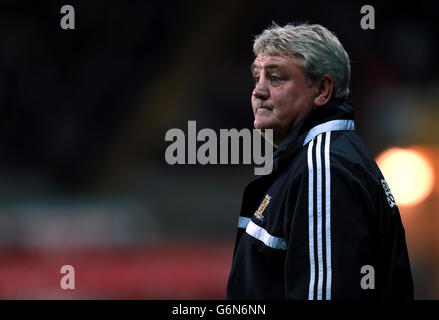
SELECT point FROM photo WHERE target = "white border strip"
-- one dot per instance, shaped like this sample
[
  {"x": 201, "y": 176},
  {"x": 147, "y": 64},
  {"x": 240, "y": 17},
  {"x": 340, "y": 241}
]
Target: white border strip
[
  {"x": 261, "y": 234},
  {"x": 333, "y": 125}
]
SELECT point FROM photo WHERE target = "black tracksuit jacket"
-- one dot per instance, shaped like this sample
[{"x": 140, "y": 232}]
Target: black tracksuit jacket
[{"x": 324, "y": 224}]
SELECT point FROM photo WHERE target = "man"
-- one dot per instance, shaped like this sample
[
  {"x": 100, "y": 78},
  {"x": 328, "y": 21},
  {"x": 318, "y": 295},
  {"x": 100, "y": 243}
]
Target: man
[{"x": 323, "y": 225}]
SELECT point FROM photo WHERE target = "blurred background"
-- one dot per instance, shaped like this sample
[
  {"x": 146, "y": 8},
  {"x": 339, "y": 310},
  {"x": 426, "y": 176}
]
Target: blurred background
[{"x": 83, "y": 118}]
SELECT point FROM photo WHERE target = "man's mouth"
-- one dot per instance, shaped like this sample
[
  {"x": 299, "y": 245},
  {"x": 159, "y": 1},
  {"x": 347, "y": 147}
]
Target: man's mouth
[{"x": 265, "y": 107}]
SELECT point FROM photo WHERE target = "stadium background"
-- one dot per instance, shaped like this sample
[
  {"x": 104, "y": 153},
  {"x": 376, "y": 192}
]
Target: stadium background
[{"x": 84, "y": 112}]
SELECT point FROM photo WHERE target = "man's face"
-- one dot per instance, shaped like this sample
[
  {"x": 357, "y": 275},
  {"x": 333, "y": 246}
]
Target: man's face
[{"x": 281, "y": 97}]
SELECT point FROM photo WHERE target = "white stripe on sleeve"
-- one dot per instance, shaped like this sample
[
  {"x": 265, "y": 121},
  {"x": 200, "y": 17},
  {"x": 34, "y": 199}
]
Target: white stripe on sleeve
[
  {"x": 311, "y": 222},
  {"x": 243, "y": 222},
  {"x": 319, "y": 216},
  {"x": 261, "y": 234},
  {"x": 328, "y": 215}
]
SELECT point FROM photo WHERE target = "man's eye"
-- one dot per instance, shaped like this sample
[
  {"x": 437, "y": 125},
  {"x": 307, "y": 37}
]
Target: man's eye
[
  {"x": 275, "y": 79},
  {"x": 256, "y": 79}
]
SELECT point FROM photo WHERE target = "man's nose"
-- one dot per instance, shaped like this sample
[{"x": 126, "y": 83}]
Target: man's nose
[{"x": 261, "y": 90}]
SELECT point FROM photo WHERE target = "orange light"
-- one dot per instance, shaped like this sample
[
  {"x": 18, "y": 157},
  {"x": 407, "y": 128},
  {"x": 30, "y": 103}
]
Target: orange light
[{"x": 408, "y": 173}]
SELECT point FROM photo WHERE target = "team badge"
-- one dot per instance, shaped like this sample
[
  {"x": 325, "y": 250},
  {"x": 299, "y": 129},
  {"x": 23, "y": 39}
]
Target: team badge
[{"x": 258, "y": 214}]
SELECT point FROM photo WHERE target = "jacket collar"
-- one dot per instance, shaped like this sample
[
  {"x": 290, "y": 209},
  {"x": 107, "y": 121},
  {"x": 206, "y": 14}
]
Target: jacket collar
[{"x": 337, "y": 114}]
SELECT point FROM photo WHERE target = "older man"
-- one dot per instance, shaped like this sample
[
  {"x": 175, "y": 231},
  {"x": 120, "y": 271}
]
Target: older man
[{"x": 323, "y": 225}]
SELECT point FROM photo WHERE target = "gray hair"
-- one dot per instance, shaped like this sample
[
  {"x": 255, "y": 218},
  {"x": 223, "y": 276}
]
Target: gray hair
[{"x": 318, "y": 49}]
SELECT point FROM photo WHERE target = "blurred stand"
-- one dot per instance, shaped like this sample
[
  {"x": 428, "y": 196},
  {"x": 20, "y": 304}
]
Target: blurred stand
[{"x": 173, "y": 241}]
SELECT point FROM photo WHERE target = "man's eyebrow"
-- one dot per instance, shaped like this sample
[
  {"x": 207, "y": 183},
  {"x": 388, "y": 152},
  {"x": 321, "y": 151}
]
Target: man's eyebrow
[{"x": 270, "y": 67}]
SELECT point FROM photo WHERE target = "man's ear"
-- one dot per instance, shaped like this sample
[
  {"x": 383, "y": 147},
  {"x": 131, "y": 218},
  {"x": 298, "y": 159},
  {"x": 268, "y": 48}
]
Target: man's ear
[{"x": 324, "y": 90}]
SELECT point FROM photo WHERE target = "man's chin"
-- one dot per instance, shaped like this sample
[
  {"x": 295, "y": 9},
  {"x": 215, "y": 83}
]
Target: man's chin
[{"x": 261, "y": 125}]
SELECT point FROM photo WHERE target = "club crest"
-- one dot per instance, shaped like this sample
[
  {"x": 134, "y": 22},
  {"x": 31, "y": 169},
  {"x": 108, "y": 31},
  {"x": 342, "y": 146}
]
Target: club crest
[{"x": 258, "y": 214}]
